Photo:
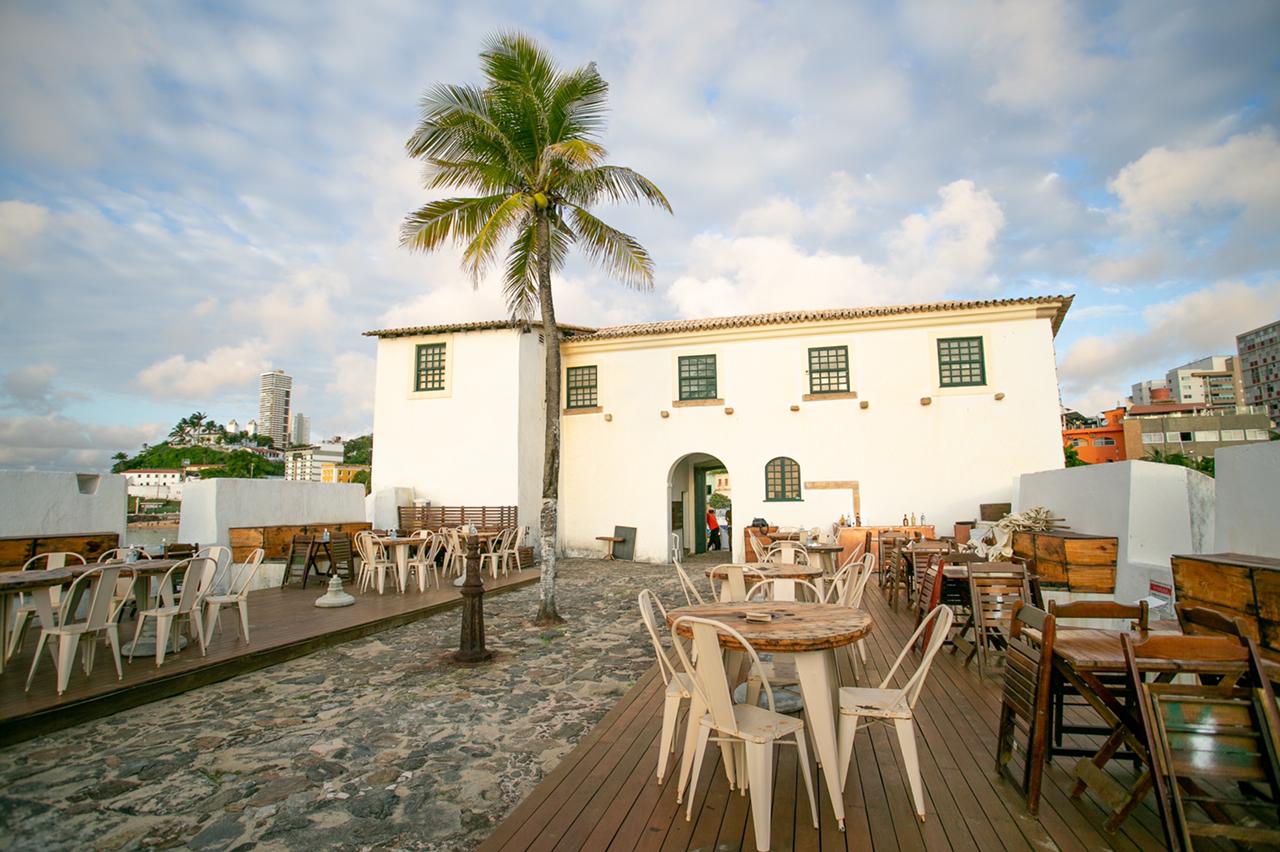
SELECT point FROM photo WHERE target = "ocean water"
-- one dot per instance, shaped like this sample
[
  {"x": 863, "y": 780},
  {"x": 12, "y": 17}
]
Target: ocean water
[{"x": 150, "y": 537}]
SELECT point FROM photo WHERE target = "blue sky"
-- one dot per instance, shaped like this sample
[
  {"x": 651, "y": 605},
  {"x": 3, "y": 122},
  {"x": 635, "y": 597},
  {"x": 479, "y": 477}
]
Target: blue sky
[{"x": 193, "y": 193}]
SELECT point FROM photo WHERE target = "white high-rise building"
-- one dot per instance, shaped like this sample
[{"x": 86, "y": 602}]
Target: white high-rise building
[
  {"x": 251, "y": 428},
  {"x": 301, "y": 431},
  {"x": 274, "y": 407},
  {"x": 233, "y": 426},
  {"x": 1207, "y": 380}
]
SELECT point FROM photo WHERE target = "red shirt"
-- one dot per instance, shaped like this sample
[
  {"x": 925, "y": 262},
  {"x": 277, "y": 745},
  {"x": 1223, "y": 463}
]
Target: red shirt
[{"x": 711, "y": 520}]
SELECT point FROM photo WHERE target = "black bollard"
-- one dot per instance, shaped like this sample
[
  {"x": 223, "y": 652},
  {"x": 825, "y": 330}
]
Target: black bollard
[{"x": 471, "y": 648}]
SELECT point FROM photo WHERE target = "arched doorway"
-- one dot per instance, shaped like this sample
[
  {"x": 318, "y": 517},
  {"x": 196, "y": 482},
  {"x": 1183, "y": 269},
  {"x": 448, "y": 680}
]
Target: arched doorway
[{"x": 696, "y": 483}]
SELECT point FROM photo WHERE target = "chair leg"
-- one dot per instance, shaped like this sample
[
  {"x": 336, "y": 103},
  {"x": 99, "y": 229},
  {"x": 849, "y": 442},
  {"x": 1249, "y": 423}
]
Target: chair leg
[
  {"x": 670, "y": 714},
  {"x": 802, "y": 754},
  {"x": 163, "y": 625},
  {"x": 35, "y": 661},
  {"x": 907, "y": 742},
  {"x": 19, "y": 634},
  {"x": 137, "y": 631},
  {"x": 67, "y": 646},
  {"x": 210, "y": 620},
  {"x": 113, "y": 639},
  {"x": 846, "y": 730},
  {"x": 704, "y": 733},
  {"x": 760, "y": 775},
  {"x": 243, "y": 604}
]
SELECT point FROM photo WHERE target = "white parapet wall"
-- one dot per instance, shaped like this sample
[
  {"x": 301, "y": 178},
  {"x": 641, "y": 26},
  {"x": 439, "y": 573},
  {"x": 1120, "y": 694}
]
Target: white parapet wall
[
  {"x": 1248, "y": 505},
  {"x": 1154, "y": 510},
  {"x": 36, "y": 503}
]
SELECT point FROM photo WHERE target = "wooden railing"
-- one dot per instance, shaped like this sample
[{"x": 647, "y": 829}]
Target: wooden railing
[{"x": 435, "y": 517}]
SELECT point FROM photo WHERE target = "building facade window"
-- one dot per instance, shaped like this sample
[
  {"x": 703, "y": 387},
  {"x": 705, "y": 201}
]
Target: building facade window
[
  {"x": 428, "y": 373},
  {"x": 1104, "y": 442},
  {"x": 829, "y": 369},
  {"x": 781, "y": 480},
  {"x": 580, "y": 387},
  {"x": 697, "y": 377},
  {"x": 960, "y": 362}
]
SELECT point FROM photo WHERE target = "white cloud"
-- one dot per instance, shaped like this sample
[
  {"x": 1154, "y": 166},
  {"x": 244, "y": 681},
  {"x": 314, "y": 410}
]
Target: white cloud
[
  {"x": 20, "y": 224},
  {"x": 59, "y": 443},
  {"x": 30, "y": 389},
  {"x": 1200, "y": 323},
  {"x": 178, "y": 378}
]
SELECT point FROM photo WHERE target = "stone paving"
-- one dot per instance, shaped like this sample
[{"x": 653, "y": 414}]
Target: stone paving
[{"x": 378, "y": 743}]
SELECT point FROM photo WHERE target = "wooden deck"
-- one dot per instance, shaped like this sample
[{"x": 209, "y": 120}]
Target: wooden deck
[
  {"x": 283, "y": 624},
  {"x": 603, "y": 795}
]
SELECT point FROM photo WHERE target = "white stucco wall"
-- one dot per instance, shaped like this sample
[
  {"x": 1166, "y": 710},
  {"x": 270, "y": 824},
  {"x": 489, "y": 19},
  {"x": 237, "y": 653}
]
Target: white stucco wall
[
  {"x": 1248, "y": 505},
  {"x": 1154, "y": 510},
  {"x": 531, "y": 434},
  {"x": 212, "y": 506},
  {"x": 942, "y": 459},
  {"x": 45, "y": 503}
]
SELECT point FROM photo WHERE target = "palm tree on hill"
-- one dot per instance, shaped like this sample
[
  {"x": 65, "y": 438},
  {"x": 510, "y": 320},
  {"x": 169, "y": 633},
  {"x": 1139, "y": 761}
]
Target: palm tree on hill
[{"x": 527, "y": 143}]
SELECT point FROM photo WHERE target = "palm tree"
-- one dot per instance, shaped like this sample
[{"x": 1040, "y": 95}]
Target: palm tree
[{"x": 527, "y": 143}]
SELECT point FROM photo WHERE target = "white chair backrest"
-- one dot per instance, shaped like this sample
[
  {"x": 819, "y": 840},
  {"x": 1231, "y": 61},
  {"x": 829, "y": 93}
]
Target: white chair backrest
[
  {"x": 940, "y": 619},
  {"x": 676, "y": 550},
  {"x": 424, "y": 533},
  {"x": 789, "y": 553},
  {"x": 859, "y": 585},
  {"x": 55, "y": 559},
  {"x": 101, "y": 582},
  {"x": 763, "y": 590},
  {"x": 428, "y": 549},
  {"x": 242, "y": 576},
  {"x": 648, "y": 601},
  {"x": 193, "y": 572},
  {"x": 219, "y": 554},
  {"x": 761, "y": 554},
  {"x": 709, "y": 677},
  {"x": 691, "y": 594}
]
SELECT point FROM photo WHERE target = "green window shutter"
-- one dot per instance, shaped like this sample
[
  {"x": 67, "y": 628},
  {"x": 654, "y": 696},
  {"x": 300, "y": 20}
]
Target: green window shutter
[
  {"x": 580, "y": 387},
  {"x": 960, "y": 362},
  {"x": 428, "y": 362},
  {"x": 697, "y": 377},
  {"x": 781, "y": 480},
  {"x": 829, "y": 369}
]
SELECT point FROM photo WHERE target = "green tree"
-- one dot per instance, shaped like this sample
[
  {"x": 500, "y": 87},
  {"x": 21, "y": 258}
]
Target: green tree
[
  {"x": 1204, "y": 465},
  {"x": 358, "y": 450},
  {"x": 1072, "y": 457},
  {"x": 527, "y": 143},
  {"x": 242, "y": 464}
]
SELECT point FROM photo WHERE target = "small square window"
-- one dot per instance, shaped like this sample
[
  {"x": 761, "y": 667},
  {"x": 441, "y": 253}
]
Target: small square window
[
  {"x": 429, "y": 367},
  {"x": 829, "y": 369},
  {"x": 580, "y": 387},
  {"x": 960, "y": 362},
  {"x": 697, "y": 377}
]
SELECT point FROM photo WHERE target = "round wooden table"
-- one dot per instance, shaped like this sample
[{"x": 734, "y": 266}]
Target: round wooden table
[
  {"x": 35, "y": 583},
  {"x": 826, "y": 553},
  {"x": 731, "y": 575},
  {"x": 809, "y": 632}
]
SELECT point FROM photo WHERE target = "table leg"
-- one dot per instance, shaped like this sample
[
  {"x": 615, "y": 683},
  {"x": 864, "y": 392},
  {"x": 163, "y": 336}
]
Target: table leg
[
  {"x": 402, "y": 566},
  {"x": 816, "y": 677},
  {"x": 6, "y": 624},
  {"x": 784, "y": 590}
]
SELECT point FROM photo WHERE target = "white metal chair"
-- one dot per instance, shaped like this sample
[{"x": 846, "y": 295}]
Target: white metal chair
[
  {"x": 423, "y": 560},
  {"x": 197, "y": 574},
  {"x": 679, "y": 686},
  {"x": 374, "y": 563},
  {"x": 25, "y": 609},
  {"x": 763, "y": 590},
  {"x": 677, "y": 549},
  {"x": 221, "y": 557},
  {"x": 788, "y": 553},
  {"x": 455, "y": 555},
  {"x": 497, "y": 558},
  {"x": 754, "y": 728},
  {"x": 762, "y": 555},
  {"x": 691, "y": 594},
  {"x": 887, "y": 704},
  {"x": 120, "y": 554},
  {"x": 237, "y": 595},
  {"x": 68, "y": 634},
  {"x": 734, "y": 585}
]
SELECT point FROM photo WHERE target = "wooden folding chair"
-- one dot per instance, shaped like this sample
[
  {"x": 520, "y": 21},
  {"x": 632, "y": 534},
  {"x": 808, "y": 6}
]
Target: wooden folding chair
[
  {"x": 994, "y": 589},
  {"x": 341, "y": 559},
  {"x": 1025, "y": 701},
  {"x": 298, "y": 563},
  {"x": 1203, "y": 621},
  {"x": 1214, "y": 760}
]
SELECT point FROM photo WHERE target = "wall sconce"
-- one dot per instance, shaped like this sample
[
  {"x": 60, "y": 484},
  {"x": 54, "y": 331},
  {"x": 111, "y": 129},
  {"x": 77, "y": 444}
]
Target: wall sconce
[
  {"x": 608, "y": 418},
  {"x": 1000, "y": 396},
  {"x": 728, "y": 411},
  {"x": 864, "y": 404},
  {"x": 665, "y": 413},
  {"x": 795, "y": 408},
  {"x": 926, "y": 400}
]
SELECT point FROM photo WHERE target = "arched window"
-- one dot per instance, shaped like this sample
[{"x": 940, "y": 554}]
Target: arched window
[{"x": 781, "y": 479}]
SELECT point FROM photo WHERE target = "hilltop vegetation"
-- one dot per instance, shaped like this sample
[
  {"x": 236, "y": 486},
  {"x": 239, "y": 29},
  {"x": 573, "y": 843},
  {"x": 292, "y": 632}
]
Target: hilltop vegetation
[{"x": 218, "y": 448}]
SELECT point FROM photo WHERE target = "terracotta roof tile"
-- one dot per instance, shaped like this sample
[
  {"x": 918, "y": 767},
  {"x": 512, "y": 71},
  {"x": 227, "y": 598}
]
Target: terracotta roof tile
[{"x": 478, "y": 325}]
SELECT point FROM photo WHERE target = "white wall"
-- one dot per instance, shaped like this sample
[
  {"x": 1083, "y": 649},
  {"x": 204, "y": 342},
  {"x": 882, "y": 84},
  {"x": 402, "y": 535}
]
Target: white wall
[
  {"x": 41, "y": 503},
  {"x": 1248, "y": 505},
  {"x": 531, "y": 436},
  {"x": 1154, "y": 510},
  {"x": 942, "y": 459},
  {"x": 212, "y": 506}
]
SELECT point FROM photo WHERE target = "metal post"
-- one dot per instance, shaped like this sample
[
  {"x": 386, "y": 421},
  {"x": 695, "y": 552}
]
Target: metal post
[{"x": 471, "y": 648}]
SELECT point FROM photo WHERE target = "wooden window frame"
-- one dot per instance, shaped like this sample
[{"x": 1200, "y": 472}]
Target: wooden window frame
[
  {"x": 569, "y": 387},
  {"x": 819, "y": 372},
  {"x": 961, "y": 363},
  {"x": 422, "y": 374},
  {"x": 780, "y": 477},
  {"x": 681, "y": 377}
]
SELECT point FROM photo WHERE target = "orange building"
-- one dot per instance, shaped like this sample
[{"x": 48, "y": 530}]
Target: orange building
[{"x": 1101, "y": 443}]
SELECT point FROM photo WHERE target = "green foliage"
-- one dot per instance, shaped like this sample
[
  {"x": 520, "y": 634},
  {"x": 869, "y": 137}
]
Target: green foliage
[
  {"x": 719, "y": 501},
  {"x": 362, "y": 476},
  {"x": 358, "y": 450},
  {"x": 1073, "y": 457},
  {"x": 167, "y": 457},
  {"x": 1204, "y": 465},
  {"x": 242, "y": 464}
]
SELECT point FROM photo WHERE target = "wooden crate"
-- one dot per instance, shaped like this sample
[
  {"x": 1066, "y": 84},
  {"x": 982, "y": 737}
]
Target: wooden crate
[
  {"x": 275, "y": 540},
  {"x": 15, "y": 551},
  {"x": 1076, "y": 562},
  {"x": 1236, "y": 584}
]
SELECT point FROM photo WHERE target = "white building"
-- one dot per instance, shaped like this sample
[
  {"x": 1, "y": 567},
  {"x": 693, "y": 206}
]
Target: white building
[
  {"x": 1142, "y": 392},
  {"x": 300, "y": 433},
  {"x": 880, "y": 412},
  {"x": 233, "y": 427},
  {"x": 308, "y": 463},
  {"x": 1198, "y": 381},
  {"x": 155, "y": 483},
  {"x": 274, "y": 406},
  {"x": 251, "y": 428}
]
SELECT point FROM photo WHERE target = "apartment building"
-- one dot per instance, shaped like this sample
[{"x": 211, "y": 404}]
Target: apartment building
[
  {"x": 1258, "y": 353},
  {"x": 275, "y": 390},
  {"x": 1100, "y": 440},
  {"x": 308, "y": 463},
  {"x": 1193, "y": 430}
]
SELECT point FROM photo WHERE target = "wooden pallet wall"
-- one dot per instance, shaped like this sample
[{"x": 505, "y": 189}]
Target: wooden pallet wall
[
  {"x": 434, "y": 517},
  {"x": 1068, "y": 560},
  {"x": 15, "y": 551},
  {"x": 275, "y": 540}
]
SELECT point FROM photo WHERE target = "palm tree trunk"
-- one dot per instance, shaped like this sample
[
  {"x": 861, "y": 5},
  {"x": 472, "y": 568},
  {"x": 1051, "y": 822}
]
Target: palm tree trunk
[{"x": 551, "y": 461}]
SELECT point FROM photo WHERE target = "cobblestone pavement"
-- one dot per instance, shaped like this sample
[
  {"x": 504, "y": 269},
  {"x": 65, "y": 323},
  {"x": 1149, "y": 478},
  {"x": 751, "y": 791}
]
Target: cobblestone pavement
[{"x": 376, "y": 743}]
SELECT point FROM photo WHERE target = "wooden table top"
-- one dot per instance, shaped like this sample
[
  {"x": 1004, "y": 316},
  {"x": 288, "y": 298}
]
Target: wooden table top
[
  {"x": 1092, "y": 649},
  {"x": 143, "y": 567},
  {"x": 21, "y": 581},
  {"x": 823, "y": 548},
  {"x": 769, "y": 570},
  {"x": 784, "y": 536},
  {"x": 795, "y": 628}
]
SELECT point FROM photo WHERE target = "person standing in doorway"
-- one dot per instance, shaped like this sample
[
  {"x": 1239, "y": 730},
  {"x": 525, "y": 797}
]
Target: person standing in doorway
[{"x": 713, "y": 530}]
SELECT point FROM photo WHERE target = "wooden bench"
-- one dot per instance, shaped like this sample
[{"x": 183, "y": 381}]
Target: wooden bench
[
  {"x": 276, "y": 541},
  {"x": 613, "y": 540}
]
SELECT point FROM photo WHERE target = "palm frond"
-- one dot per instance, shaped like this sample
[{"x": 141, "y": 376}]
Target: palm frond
[
  {"x": 612, "y": 183},
  {"x": 484, "y": 246},
  {"x": 520, "y": 75},
  {"x": 482, "y": 175},
  {"x": 578, "y": 105},
  {"x": 458, "y": 123},
  {"x": 520, "y": 283},
  {"x": 458, "y": 218},
  {"x": 617, "y": 253}
]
